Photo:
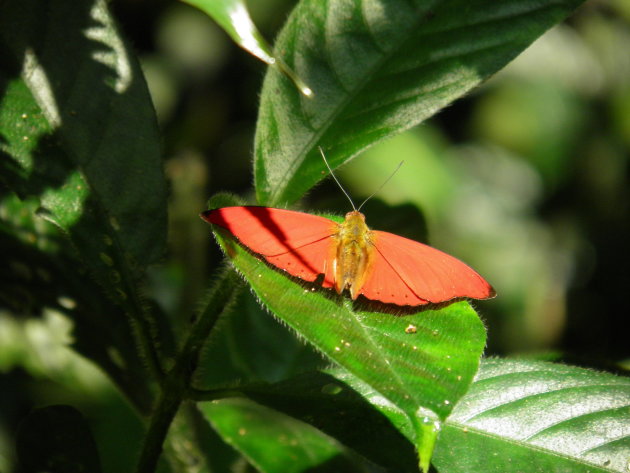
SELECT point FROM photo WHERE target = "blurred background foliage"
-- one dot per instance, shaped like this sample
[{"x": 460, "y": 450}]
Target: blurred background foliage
[{"x": 526, "y": 179}]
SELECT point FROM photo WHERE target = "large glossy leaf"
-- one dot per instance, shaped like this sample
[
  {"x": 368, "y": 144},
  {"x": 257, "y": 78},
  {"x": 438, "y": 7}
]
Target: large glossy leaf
[
  {"x": 78, "y": 133},
  {"x": 538, "y": 417},
  {"x": 378, "y": 67},
  {"x": 529, "y": 416},
  {"x": 423, "y": 361}
]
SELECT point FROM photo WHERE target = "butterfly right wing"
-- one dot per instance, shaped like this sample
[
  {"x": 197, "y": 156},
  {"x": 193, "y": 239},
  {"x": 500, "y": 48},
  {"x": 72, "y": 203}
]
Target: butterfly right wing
[{"x": 405, "y": 272}]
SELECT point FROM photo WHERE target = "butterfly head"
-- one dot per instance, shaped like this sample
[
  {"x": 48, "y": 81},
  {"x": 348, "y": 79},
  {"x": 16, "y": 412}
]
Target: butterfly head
[
  {"x": 354, "y": 225},
  {"x": 354, "y": 218}
]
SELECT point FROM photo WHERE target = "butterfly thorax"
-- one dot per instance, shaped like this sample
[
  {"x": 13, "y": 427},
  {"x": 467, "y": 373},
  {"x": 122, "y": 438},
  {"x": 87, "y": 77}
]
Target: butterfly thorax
[{"x": 354, "y": 253}]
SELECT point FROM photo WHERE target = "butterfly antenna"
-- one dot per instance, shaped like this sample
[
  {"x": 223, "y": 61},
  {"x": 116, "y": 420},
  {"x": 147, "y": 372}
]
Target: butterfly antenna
[
  {"x": 335, "y": 178},
  {"x": 381, "y": 186}
]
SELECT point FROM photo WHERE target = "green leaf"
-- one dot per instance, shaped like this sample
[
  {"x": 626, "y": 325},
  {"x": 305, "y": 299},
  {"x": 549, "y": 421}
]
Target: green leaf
[
  {"x": 78, "y": 133},
  {"x": 233, "y": 17},
  {"x": 377, "y": 68},
  {"x": 274, "y": 442},
  {"x": 247, "y": 345},
  {"x": 423, "y": 362},
  {"x": 56, "y": 439},
  {"x": 80, "y": 96},
  {"x": 538, "y": 417}
]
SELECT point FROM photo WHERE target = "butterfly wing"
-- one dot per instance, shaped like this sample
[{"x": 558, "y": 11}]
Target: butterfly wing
[
  {"x": 405, "y": 272},
  {"x": 296, "y": 242}
]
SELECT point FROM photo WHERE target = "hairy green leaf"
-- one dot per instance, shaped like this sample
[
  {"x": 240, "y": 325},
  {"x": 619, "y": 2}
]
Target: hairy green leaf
[
  {"x": 378, "y": 67},
  {"x": 423, "y": 361},
  {"x": 250, "y": 346}
]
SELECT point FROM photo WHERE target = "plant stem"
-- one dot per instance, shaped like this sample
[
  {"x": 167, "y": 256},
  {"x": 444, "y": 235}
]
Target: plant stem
[
  {"x": 176, "y": 382},
  {"x": 145, "y": 339}
]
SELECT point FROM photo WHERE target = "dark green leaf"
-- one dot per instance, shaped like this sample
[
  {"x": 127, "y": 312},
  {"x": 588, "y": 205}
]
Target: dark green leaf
[
  {"x": 78, "y": 125},
  {"x": 193, "y": 446},
  {"x": 78, "y": 133},
  {"x": 40, "y": 273},
  {"x": 355, "y": 418},
  {"x": 274, "y": 442},
  {"x": 56, "y": 439},
  {"x": 377, "y": 68}
]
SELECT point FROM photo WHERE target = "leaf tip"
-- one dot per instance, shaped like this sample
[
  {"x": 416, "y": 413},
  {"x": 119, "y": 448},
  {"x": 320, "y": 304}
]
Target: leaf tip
[{"x": 427, "y": 427}]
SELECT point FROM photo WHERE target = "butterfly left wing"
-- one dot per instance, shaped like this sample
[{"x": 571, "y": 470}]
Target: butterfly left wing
[
  {"x": 296, "y": 242},
  {"x": 405, "y": 272}
]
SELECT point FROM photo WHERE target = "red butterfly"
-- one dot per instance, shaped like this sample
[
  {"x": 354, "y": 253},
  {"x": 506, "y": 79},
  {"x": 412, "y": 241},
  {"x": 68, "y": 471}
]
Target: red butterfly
[{"x": 378, "y": 265}]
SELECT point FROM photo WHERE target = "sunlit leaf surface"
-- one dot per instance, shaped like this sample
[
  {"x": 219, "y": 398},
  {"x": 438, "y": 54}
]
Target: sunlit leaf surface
[{"x": 538, "y": 417}]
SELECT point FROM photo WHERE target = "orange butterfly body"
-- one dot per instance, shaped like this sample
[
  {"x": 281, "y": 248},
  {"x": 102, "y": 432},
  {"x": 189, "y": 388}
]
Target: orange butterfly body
[{"x": 378, "y": 265}]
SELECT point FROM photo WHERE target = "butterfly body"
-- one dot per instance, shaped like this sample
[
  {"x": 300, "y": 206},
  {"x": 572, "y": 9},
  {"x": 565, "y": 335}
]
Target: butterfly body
[
  {"x": 354, "y": 253},
  {"x": 378, "y": 265}
]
